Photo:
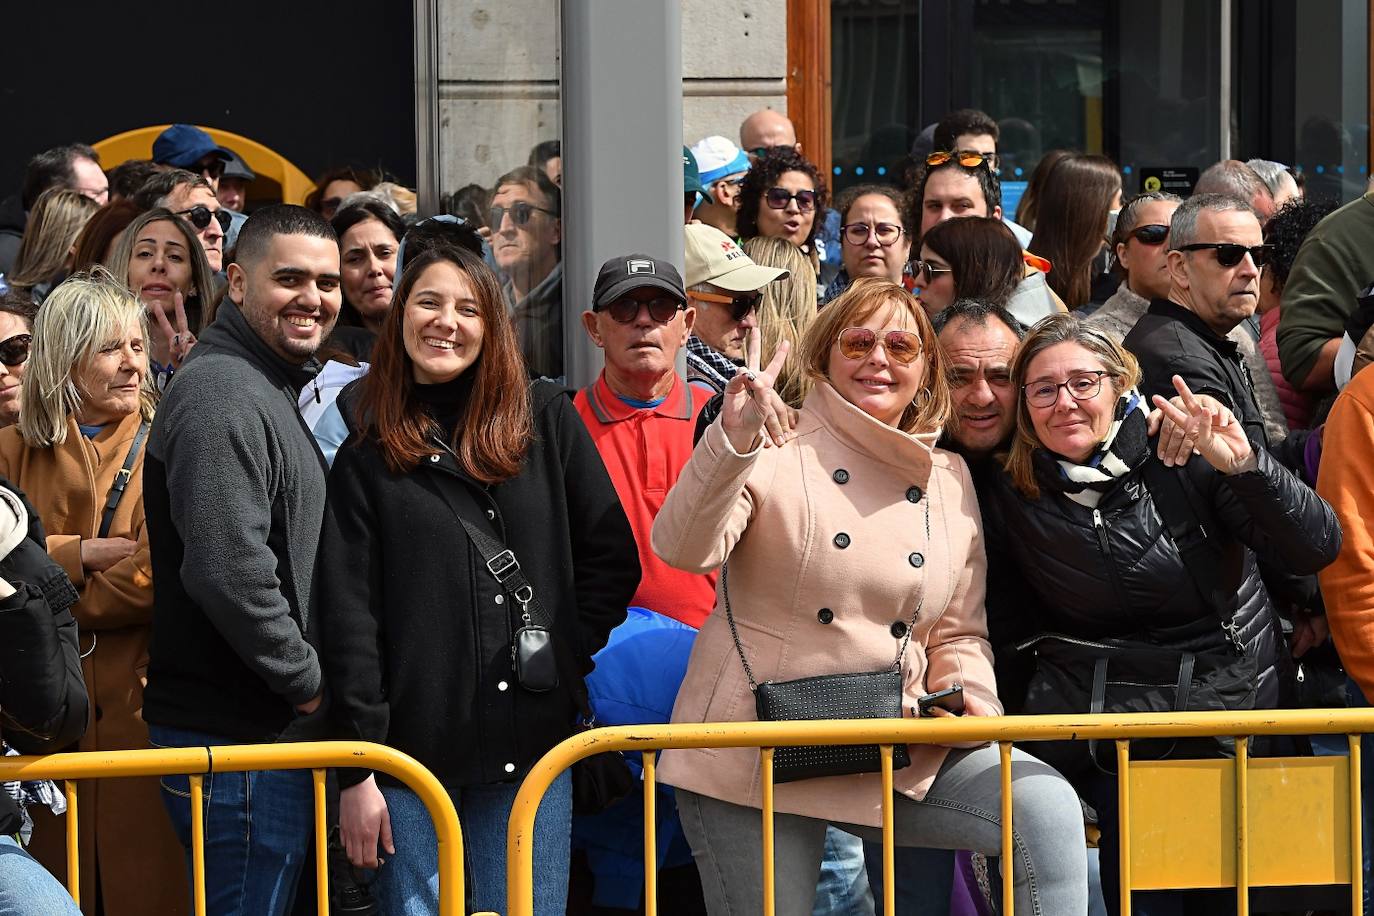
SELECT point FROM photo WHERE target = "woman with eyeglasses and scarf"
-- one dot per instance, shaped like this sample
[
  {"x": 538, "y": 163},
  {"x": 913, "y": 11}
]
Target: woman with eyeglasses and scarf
[
  {"x": 856, "y": 546},
  {"x": 1138, "y": 570},
  {"x": 162, "y": 262},
  {"x": 78, "y": 453}
]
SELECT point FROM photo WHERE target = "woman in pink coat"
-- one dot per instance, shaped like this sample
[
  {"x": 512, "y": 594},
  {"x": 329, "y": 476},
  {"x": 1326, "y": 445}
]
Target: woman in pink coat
[{"x": 839, "y": 542}]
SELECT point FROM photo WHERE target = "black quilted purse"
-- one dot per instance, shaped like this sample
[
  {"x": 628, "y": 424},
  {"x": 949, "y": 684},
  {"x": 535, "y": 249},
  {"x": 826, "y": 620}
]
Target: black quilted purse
[{"x": 865, "y": 695}]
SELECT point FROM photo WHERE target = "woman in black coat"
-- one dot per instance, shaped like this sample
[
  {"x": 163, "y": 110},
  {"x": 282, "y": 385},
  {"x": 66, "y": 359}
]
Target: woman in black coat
[
  {"x": 1091, "y": 522},
  {"x": 417, "y": 631}
]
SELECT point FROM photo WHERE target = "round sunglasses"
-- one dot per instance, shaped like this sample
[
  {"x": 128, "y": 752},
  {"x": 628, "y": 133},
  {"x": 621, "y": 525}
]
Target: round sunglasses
[
  {"x": 662, "y": 309},
  {"x": 901, "y": 346},
  {"x": 200, "y": 216},
  {"x": 14, "y": 351},
  {"x": 779, "y": 198},
  {"x": 928, "y": 270},
  {"x": 520, "y": 213}
]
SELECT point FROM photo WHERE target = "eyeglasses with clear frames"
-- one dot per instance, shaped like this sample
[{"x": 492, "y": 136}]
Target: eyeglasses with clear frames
[{"x": 887, "y": 234}]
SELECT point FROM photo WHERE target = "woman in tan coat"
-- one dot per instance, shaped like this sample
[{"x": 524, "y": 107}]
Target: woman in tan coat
[
  {"x": 86, "y": 409},
  {"x": 855, "y": 543}
]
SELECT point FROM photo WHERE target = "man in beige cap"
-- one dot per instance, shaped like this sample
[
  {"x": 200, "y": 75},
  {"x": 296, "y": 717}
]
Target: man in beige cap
[{"x": 724, "y": 285}]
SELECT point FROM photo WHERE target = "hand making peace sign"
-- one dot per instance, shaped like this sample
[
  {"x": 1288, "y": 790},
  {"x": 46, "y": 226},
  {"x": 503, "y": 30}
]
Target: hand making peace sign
[
  {"x": 751, "y": 404},
  {"x": 179, "y": 339}
]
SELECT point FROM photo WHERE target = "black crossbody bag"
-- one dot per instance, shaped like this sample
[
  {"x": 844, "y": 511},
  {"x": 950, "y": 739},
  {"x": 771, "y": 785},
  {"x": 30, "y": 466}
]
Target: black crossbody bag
[
  {"x": 1075, "y": 675},
  {"x": 862, "y": 695}
]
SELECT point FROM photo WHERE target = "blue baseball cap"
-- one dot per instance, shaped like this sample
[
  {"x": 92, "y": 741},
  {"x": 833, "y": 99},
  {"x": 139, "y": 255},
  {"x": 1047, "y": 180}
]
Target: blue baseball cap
[{"x": 183, "y": 145}]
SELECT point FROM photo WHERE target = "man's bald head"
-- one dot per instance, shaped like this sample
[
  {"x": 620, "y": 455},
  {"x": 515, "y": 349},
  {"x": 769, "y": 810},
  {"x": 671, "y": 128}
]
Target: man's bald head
[{"x": 767, "y": 128}]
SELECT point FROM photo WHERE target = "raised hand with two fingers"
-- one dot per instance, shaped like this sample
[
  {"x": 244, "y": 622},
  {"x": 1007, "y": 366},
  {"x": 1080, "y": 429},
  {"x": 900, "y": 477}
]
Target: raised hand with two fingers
[
  {"x": 1209, "y": 429},
  {"x": 179, "y": 338},
  {"x": 751, "y": 406}
]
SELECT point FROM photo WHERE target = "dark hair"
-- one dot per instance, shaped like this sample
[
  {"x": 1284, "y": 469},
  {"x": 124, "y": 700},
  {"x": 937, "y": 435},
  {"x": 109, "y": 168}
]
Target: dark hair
[
  {"x": 1030, "y": 200},
  {"x": 493, "y": 435},
  {"x": 51, "y": 169},
  {"x": 127, "y": 177},
  {"x": 850, "y": 196},
  {"x": 983, "y": 253},
  {"x": 366, "y": 179},
  {"x": 279, "y": 219},
  {"x": 432, "y": 233},
  {"x": 100, "y": 230},
  {"x": 1072, "y": 222},
  {"x": 543, "y": 152},
  {"x": 20, "y": 304},
  {"x": 161, "y": 184},
  {"x": 977, "y": 312},
  {"x": 987, "y": 183},
  {"x": 964, "y": 121},
  {"x": 529, "y": 175},
  {"x": 763, "y": 174},
  {"x": 1286, "y": 230},
  {"x": 472, "y": 202},
  {"x": 350, "y": 216}
]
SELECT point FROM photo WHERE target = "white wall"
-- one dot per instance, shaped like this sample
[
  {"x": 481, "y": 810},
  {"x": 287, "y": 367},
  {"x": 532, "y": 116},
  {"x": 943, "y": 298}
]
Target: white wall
[{"x": 498, "y": 77}]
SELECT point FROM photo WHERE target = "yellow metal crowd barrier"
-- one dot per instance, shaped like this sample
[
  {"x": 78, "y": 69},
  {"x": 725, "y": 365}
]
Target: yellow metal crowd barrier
[
  {"x": 198, "y": 762},
  {"x": 1237, "y": 823}
]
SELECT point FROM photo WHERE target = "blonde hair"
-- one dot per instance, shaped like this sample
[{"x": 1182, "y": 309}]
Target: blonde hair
[
  {"x": 83, "y": 314},
  {"x": 787, "y": 309},
  {"x": 403, "y": 200},
  {"x": 930, "y": 409},
  {"x": 57, "y": 218},
  {"x": 198, "y": 312},
  {"x": 1049, "y": 332}
]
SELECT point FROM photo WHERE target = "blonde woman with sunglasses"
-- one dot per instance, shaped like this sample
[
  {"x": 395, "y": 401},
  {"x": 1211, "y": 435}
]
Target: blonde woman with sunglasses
[{"x": 853, "y": 548}]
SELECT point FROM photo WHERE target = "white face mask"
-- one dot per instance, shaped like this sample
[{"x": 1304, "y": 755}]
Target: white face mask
[{"x": 1112, "y": 216}]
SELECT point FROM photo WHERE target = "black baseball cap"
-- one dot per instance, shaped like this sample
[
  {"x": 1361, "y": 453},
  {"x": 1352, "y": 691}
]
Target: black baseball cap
[{"x": 631, "y": 271}]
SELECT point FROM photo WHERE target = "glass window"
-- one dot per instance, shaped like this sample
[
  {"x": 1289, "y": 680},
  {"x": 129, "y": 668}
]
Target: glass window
[{"x": 499, "y": 154}]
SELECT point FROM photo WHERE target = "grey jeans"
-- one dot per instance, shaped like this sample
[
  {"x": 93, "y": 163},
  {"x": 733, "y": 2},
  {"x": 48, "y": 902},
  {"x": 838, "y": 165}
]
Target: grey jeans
[{"x": 961, "y": 811}]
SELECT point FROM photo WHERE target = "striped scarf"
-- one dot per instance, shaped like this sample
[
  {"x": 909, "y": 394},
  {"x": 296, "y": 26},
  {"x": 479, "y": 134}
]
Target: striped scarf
[{"x": 1124, "y": 448}]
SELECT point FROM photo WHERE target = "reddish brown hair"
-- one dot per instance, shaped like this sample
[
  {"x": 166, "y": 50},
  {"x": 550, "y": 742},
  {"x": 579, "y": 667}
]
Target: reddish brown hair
[{"x": 494, "y": 433}]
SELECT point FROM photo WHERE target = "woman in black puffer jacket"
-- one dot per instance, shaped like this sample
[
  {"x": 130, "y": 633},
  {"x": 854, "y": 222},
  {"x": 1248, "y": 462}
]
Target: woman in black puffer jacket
[{"x": 1083, "y": 517}]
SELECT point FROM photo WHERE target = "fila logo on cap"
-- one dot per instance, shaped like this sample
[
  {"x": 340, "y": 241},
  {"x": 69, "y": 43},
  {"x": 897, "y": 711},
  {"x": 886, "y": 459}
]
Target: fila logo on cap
[{"x": 640, "y": 266}]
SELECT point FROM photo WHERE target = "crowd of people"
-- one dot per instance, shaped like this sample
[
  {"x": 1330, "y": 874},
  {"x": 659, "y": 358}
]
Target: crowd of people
[{"x": 279, "y": 473}]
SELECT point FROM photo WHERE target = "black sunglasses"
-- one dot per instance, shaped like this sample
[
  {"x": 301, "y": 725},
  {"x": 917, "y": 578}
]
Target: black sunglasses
[
  {"x": 520, "y": 213},
  {"x": 779, "y": 198},
  {"x": 1230, "y": 254},
  {"x": 1153, "y": 234},
  {"x": 662, "y": 309},
  {"x": 200, "y": 216},
  {"x": 14, "y": 351}
]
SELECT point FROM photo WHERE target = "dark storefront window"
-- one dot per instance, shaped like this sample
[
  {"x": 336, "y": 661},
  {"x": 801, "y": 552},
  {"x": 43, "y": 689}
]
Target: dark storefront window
[{"x": 1154, "y": 84}]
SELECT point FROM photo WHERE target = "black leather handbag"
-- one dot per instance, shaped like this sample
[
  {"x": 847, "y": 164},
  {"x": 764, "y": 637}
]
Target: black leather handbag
[{"x": 865, "y": 695}]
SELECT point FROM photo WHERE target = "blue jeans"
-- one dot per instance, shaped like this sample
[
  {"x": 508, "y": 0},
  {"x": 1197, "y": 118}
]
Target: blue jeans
[
  {"x": 843, "y": 886},
  {"x": 252, "y": 863},
  {"x": 26, "y": 888},
  {"x": 408, "y": 884}
]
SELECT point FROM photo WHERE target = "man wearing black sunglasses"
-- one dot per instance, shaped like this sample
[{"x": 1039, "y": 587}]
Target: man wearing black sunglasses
[
  {"x": 1216, "y": 251},
  {"x": 190, "y": 197},
  {"x": 526, "y": 243}
]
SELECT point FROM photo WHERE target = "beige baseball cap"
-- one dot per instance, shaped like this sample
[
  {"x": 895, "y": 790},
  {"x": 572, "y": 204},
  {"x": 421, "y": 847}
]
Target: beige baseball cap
[{"x": 713, "y": 257}]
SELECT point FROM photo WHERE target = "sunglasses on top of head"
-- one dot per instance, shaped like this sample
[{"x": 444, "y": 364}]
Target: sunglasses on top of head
[
  {"x": 779, "y": 198},
  {"x": 1230, "y": 254},
  {"x": 14, "y": 351},
  {"x": 901, "y": 346},
  {"x": 200, "y": 216}
]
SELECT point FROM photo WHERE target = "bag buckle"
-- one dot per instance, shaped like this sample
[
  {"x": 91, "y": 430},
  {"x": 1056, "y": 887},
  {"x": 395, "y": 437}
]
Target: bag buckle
[
  {"x": 1233, "y": 635},
  {"x": 504, "y": 564}
]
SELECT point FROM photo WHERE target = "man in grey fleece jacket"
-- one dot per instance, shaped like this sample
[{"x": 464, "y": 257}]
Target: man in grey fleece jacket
[{"x": 234, "y": 490}]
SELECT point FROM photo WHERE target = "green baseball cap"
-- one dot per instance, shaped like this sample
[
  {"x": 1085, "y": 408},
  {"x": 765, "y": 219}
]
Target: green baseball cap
[{"x": 691, "y": 176}]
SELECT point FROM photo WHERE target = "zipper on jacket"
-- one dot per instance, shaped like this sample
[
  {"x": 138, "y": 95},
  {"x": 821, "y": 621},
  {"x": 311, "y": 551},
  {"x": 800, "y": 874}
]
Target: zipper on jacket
[{"x": 1100, "y": 526}]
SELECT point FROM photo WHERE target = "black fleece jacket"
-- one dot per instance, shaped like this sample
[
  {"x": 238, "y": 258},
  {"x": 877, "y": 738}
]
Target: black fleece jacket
[{"x": 233, "y": 489}]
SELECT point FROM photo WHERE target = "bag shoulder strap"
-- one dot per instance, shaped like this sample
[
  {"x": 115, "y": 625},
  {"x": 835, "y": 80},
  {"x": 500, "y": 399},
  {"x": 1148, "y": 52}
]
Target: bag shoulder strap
[
  {"x": 121, "y": 480},
  {"x": 1174, "y": 500}
]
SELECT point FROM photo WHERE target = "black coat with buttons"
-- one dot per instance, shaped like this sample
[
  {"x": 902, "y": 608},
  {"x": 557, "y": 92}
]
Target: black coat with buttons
[{"x": 416, "y": 634}]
